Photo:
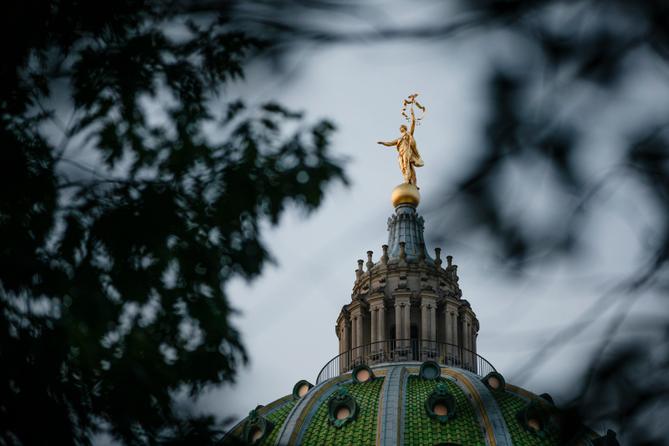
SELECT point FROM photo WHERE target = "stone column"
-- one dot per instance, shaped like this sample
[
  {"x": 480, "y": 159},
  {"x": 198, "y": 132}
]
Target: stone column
[
  {"x": 354, "y": 325},
  {"x": 402, "y": 319},
  {"x": 474, "y": 356},
  {"x": 403, "y": 299},
  {"x": 381, "y": 332},
  {"x": 381, "y": 336},
  {"x": 398, "y": 321},
  {"x": 466, "y": 332},
  {"x": 475, "y": 329},
  {"x": 461, "y": 335},
  {"x": 373, "y": 318},
  {"x": 448, "y": 333},
  {"x": 467, "y": 338},
  {"x": 373, "y": 314},
  {"x": 433, "y": 323},
  {"x": 375, "y": 302},
  {"x": 406, "y": 320},
  {"x": 406, "y": 325},
  {"x": 424, "y": 342},
  {"x": 475, "y": 333},
  {"x": 346, "y": 358},
  {"x": 451, "y": 334},
  {"x": 357, "y": 338},
  {"x": 424, "y": 320},
  {"x": 428, "y": 305}
]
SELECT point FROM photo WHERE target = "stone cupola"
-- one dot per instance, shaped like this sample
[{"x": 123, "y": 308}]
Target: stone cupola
[{"x": 406, "y": 300}]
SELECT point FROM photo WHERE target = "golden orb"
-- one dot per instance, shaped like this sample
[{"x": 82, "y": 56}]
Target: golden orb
[{"x": 405, "y": 193}]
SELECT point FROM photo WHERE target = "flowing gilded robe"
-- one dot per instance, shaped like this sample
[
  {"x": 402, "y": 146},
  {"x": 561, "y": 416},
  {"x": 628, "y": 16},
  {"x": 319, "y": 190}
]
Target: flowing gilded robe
[{"x": 409, "y": 156}]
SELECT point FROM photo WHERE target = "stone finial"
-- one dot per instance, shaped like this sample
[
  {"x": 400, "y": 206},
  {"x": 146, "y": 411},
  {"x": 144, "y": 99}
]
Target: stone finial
[
  {"x": 449, "y": 259},
  {"x": 384, "y": 257},
  {"x": 358, "y": 272},
  {"x": 370, "y": 263},
  {"x": 437, "y": 257}
]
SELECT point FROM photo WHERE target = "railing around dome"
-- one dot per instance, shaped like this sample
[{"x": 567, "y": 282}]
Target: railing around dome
[{"x": 400, "y": 350}]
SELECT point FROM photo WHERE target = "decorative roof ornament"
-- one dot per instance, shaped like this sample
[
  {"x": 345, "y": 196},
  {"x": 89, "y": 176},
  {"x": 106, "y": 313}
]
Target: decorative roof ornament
[
  {"x": 440, "y": 405},
  {"x": 430, "y": 370},
  {"x": 362, "y": 374},
  {"x": 535, "y": 419},
  {"x": 301, "y": 388},
  {"x": 494, "y": 381},
  {"x": 342, "y": 408},
  {"x": 256, "y": 428}
]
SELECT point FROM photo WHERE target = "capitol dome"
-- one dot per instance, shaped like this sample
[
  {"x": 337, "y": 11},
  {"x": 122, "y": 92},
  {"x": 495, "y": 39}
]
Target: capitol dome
[{"x": 408, "y": 371}]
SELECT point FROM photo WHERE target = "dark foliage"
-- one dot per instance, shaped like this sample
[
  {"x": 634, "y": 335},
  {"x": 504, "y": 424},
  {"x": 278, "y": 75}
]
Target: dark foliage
[
  {"x": 78, "y": 329},
  {"x": 118, "y": 230}
]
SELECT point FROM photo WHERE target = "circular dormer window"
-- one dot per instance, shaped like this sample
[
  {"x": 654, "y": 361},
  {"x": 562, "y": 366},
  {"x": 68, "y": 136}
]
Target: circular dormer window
[
  {"x": 342, "y": 408},
  {"x": 362, "y": 374},
  {"x": 301, "y": 388},
  {"x": 494, "y": 381},
  {"x": 256, "y": 428},
  {"x": 534, "y": 418},
  {"x": 440, "y": 405},
  {"x": 430, "y": 370}
]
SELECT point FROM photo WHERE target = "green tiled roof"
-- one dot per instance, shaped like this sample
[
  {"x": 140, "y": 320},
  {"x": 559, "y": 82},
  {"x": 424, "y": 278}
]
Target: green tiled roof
[
  {"x": 277, "y": 417},
  {"x": 510, "y": 405},
  {"x": 362, "y": 431},
  {"x": 404, "y": 419},
  {"x": 419, "y": 429}
]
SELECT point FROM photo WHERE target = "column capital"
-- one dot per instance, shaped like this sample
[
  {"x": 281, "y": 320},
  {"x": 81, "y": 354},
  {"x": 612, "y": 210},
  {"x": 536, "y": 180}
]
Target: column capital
[
  {"x": 343, "y": 315},
  {"x": 356, "y": 308},
  {"x": 402, "y": 297},
  {"x": 376, "y": 299},
  {"x": 428, "y": 294}
]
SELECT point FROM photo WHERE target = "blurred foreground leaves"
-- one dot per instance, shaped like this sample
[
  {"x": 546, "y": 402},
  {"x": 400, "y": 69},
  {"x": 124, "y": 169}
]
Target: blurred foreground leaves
[
  {"x": 122, "y": 222},
  {"x": 111, "y": 276}
]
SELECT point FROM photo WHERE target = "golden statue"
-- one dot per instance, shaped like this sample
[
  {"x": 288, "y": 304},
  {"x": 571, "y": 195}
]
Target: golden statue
[{"x": 409, "y": 157}]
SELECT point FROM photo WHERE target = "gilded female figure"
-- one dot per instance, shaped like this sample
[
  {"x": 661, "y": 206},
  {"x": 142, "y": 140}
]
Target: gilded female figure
[{"x": 409, "y": 157}]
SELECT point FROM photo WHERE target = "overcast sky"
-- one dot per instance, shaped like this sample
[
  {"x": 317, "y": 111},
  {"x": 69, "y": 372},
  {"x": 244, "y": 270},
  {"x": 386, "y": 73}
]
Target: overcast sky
[{"x": 287, "y": 316}]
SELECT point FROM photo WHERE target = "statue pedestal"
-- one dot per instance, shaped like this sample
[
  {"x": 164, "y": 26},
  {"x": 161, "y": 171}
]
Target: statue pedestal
[{"x": 405, "y": 193}]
